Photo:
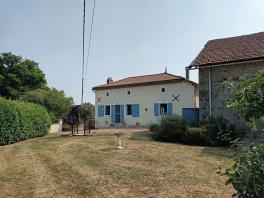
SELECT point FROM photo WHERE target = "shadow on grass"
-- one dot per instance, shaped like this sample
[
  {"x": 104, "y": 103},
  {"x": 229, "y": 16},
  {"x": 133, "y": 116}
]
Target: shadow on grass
[
  {"x": 217, "y": 151},
  {"x": 144, "y": 136},
  {"x": 110, "y": 149}
]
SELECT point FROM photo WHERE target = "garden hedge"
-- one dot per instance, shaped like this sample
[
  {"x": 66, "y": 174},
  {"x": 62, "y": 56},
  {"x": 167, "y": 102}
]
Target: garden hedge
[
  {"x": 22, "y": 120},
  {"x": 213, "y": 132}
]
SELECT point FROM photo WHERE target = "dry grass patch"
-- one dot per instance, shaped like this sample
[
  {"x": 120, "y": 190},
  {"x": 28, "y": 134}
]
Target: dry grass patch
[{"x": 92, "y": 167}]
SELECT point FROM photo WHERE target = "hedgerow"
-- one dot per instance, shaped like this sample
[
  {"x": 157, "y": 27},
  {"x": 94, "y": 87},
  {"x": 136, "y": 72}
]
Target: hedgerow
[
  {"x": 22, "y": 120},
  {"x": 213, "y": 132}
]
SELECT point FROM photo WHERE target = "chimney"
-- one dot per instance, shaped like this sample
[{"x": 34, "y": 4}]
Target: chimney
[
  {"x": 187, "y": 73},
  {"x": 109, "y": 80}
]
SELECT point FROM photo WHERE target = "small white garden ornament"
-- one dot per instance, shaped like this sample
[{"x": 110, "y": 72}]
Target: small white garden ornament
[{"x": 119, "y": 135}]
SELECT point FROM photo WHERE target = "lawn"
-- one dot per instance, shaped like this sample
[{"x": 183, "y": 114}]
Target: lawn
[{"x": 91, "y": 166}]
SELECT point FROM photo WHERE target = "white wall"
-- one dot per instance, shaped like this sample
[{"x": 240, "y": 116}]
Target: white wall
[{"x": 146, "y": 96}]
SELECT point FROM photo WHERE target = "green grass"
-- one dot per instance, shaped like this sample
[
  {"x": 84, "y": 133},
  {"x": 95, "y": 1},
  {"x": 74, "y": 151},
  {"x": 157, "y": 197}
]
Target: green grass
[{"x": 91, "y": 166}]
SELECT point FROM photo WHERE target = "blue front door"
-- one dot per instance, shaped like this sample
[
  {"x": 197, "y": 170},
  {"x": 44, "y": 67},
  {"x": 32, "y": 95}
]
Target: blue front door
[{"x": 117, "y": 113}]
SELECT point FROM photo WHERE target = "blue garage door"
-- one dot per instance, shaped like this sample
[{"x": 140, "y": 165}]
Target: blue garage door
[{"x": 191, "y": 115}]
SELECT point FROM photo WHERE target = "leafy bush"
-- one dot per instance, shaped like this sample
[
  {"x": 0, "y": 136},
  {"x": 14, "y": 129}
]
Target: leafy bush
[
  {"x": 214, "y": 132},
  {"x": 21, "y": 121},
  {"x": 195, "y": 136},
  {"x": 171, "y": 129},
  {"x": 153, "y": 127},
  {"x": 247, "y": 174},
  {"x": 219, "y": 131}
]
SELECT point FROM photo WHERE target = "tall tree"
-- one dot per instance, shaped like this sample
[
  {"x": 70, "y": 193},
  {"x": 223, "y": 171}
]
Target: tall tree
[
  {"x": 55, "y": 101},
  {"x": 18, "y": 76}
]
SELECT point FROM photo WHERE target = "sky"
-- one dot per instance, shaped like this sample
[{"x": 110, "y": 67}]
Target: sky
[{"x": 130, "y": 37}]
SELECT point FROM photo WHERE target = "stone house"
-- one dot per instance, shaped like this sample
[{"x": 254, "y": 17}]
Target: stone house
[
  {"x": 222, "y": 59},
  {"x": 142, "y": 100}
]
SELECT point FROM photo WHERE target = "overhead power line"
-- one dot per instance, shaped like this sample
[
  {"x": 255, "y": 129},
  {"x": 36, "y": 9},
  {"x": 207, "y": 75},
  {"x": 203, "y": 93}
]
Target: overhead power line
[
  {"x": 85, "y": 67},
  {"x": 90, "y": 39}
]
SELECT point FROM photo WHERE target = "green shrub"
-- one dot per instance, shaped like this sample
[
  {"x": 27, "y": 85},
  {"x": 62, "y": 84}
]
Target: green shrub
[
  {"x": 195, "y": 136},
  {"x": 218, "y": 131},
  {"x": 153, "y": 127},
  {"x": 247, "y": 174},
  {"x": 171, "y": 129},
  {"x": 21, "y": 121},
  {"x": 214, "y": 131}
]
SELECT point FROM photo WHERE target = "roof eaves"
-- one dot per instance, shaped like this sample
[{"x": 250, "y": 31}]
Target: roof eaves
[{"x": 197, "y": 66}]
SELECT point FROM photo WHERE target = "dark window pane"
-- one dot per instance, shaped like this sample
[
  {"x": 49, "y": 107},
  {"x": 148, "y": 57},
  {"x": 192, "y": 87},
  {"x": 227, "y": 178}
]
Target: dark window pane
[
  {"x": 107, "y": 110},
  {"x": 129, "y": 109},
  {"x": 163, "y": 109}
]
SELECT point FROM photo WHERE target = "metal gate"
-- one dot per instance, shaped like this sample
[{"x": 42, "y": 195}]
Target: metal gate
[{"x": 191, "y": 115}]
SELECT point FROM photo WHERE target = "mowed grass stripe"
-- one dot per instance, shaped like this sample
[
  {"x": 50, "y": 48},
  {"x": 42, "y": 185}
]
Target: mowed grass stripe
[{"x": 93, "y": 167}]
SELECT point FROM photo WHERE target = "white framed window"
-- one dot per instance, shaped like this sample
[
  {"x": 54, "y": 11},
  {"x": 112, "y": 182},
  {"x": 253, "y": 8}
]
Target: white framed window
[{"x": 107, "y": 93}]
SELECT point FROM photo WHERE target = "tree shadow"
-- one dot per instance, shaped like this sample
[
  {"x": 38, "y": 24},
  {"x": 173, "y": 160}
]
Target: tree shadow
[
  {"x": 109, "y": 149},
  {"x": 217, "y": 151},
  {"x": 144, "y": 136}
]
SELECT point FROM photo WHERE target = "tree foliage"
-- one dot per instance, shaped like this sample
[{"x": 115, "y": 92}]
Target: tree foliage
[
  {"x": 18, "y": 76},
  {"x": 247, "y": 173},
  {"x": 55, "y": 101},
  {"x": 248, "y": 98},
  {"x": 86, "y": 111}
]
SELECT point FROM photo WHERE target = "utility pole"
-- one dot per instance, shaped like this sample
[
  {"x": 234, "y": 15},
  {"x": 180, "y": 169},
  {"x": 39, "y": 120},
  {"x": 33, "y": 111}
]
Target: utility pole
[{"x": 83, "y": 39}]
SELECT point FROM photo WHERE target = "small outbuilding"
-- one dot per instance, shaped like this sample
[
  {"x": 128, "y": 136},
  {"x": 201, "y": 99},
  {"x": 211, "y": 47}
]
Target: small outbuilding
[{"x": 222, "y": 59}]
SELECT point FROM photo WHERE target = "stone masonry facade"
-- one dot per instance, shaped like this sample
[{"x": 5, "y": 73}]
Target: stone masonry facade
[{"x": 220, "y": 94}]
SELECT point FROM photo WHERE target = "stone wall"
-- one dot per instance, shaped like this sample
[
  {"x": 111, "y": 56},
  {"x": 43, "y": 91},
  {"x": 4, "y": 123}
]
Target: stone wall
[{"x": 220, "y": 94}]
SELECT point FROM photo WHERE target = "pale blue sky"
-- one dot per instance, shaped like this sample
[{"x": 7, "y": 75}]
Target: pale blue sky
[{"x": 131, "y": 37}]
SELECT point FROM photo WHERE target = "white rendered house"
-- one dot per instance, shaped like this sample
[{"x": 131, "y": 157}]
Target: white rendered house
[{"x": 142, "y": 100}]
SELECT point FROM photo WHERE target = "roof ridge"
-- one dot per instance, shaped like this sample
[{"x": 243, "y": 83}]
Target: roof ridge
[
  {"x": 148, "y": 75},
  {"x": 232, "y": 37}
]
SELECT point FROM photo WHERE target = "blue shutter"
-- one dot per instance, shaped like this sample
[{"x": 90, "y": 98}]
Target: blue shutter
[
  {"x": 156, "y": 109},
  {"x": 122, "y": 114},
  {"x": 135, "y": 110},
  {"x": 170, "y": 109},
  {"x": 100, "y": 110},
  {"x": 112, "y": 114}
]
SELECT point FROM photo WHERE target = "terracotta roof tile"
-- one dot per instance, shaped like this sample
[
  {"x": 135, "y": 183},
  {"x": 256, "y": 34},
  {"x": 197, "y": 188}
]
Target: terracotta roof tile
[
  {"x": 233, "y": 49},
  {"x": 143, "y": 80}
]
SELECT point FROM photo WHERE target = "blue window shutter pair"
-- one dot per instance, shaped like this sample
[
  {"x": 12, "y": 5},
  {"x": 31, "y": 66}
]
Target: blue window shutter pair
[
  {"x": 100, "y": 110},
  {"x": 156, "y": 109},
  {"x": 122, "y": 114},
  {"x": 112, "y": 113},
  {"x": 135, "y": 110}
]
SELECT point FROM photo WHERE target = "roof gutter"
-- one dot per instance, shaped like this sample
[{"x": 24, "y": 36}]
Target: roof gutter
[{"x": 222, "y": 64}]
